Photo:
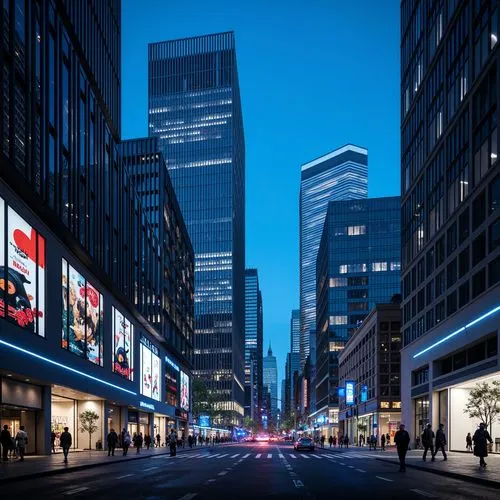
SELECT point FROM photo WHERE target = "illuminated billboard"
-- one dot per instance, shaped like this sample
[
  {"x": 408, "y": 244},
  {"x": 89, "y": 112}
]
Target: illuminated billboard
[
  {"x": 123, "y": 345},
  {"x": 150, "y": 369},
  {"x": 22, "y": 272},
  {"x": 184, "y": 403},
  {"x": 349, "y": 392}
]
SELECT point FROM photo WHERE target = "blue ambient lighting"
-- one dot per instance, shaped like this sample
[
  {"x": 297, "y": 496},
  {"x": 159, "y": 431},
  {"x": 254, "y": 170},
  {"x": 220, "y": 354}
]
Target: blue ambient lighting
[
  {"x": 456, "y": 332},
  {"x": 47, "y": 360}
]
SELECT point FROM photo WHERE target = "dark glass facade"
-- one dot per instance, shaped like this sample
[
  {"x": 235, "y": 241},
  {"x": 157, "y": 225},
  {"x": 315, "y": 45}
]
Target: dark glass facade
[
  {"x": 450, "y": 171},
  {"x": 254, "y": 338},
  {"x": 195, "y": 111},
  {"x": 358, "y": 266}
]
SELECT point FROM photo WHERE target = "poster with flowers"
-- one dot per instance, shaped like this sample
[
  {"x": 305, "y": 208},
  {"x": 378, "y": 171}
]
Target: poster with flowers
[{"x": 123, "y": 342}]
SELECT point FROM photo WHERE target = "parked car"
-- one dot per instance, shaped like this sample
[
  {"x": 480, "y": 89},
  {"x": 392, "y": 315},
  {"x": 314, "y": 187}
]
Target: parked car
[{"x": 304, "y": 443}]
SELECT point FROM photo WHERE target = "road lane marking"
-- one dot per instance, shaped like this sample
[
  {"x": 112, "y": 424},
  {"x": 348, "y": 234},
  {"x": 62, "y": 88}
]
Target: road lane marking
[
  {"x": 305, "y": 456},
  {"x": 124, "y": 476},
  {"x": 258, "y": 455},
  {"x": 360, "y": 470},
  {"x": 292, "y": 456},
  {"x": 298, "y": 483},
  {"x": 150, "y": 468},
  {"x": 316, "y": 456},
  {"x": 189, "y": 496},
  {"x": 237, "y": 455},
  {"x": 223, "y": 473},
  {"x": 351, "y": 466},
  {"x": 269, "y": 455},
  {"x": 281, "y": 455},
  {"x": 246, "y": 456},
  {"x": 211, "y": 480},
  {"x": 423, "y": 493},
  {"x": 385, "y": 479},
  {"x": 222, "y": 456},
  {"x": 213, "y": 456},
  {"x": 74, "y": 491},
  {"x": 341, "y": 463}
]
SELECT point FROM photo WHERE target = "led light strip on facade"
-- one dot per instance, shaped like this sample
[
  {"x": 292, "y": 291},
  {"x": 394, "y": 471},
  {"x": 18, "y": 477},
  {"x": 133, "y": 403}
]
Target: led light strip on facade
[
  {"x": 60, "y": 365},
  {"x": 456, "y": 332}
]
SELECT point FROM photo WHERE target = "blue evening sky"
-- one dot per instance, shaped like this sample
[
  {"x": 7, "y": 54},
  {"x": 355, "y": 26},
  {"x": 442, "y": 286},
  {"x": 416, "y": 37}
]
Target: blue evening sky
[{"x": 314, "y": 75}]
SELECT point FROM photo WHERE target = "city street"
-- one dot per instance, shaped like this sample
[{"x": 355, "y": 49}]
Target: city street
[{"x": 266, "y": 470}]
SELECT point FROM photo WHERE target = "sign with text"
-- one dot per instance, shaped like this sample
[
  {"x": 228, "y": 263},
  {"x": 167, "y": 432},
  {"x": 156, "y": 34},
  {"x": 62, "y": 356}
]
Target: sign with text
[{"x": 349, "y": 392}]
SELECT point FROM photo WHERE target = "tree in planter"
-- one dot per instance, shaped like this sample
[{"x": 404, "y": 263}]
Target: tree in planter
[
  {"x": 88, "y": 420},
  {"x": 483, "y": 403}
]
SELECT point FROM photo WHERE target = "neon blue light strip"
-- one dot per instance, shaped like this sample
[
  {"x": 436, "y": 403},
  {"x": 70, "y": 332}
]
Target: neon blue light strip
[
  {"x": 456, "y": 332},
  {"x": 50, "y": 361}
]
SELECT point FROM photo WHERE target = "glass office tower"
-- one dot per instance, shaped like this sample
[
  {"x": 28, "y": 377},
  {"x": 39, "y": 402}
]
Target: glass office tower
[
  {"x": 195, "y": 111},
  {"x": 295, "y": 331},
  {"x": 254, "y": 337},
  {"x": 358, "y": 266},
  {"x": 270, "y": 375},
  {"x": 339, "y": 175}
]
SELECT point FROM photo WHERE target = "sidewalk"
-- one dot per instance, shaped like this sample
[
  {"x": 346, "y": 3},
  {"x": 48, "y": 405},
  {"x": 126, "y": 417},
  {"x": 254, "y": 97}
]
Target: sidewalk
[
  {"x": 464, "y": 466},
  {"x": 39, "y": 466}
]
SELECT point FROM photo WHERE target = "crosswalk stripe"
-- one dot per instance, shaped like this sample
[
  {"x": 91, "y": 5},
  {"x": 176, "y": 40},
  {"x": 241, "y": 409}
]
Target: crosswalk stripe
[
  {"x": 269, "y": 455},
  {"x": 237, "y": 455},
  {"x": 305, "y": 456},
  {"x": 246, "y": 456},
  {"x": 316, "y": 456},
  {"x": 214, "y": 456},
  {"x": 292, "y": 456},
  {"x": 258, "y": 455},
  {"x": 222, "y": 456},
  {"x": 281, "y": 455}
]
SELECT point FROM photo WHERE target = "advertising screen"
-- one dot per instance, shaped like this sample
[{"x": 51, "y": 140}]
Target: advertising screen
[
  {"x": 123, "y": 345},
  {"x": 364, "y": 393},
  {"x": 204, "y": 421},
  {"x": 349, "y": 392},
  {"x": 150, "y": 369},
  {"x": 184, "y": 391},
  {"x": 82, "y": 316},
  {"x": 22, "y": 272},
  {"x": 171, "y": 385}
]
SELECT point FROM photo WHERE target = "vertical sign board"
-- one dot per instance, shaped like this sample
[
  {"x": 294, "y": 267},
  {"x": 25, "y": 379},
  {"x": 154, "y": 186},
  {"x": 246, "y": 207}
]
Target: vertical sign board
[
  {"x": 364, "y": 393},
  {"x": 349, "y": 392}
]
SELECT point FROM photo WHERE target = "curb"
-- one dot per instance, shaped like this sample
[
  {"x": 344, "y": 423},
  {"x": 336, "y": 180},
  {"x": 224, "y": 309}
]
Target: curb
[
  {"x": 76, "y": 468},
  {"x": 454, "y": 475}
]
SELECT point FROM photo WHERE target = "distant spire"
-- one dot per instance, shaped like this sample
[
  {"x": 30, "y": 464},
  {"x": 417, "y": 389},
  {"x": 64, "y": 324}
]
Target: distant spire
[{"x": 269, "y": 351}]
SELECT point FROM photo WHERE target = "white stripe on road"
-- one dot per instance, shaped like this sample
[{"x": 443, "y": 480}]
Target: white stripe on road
[
  {"x": 423, "y": 493},
  {"x": 237, "y": 455},
  {"x": 360, "y": 470},
  {"x": 74, "y": 491},
  {"x": 281, "y": 455},
  {"x": 269, "y": 455},
  {"x": 384, "y": 479},
  {"x": 222, "y": 456},
  {"x": 126, "y": 475},
  {"x": 189, "y": 496},
  {"x": 246, "y": 456},
  {"x": 150, "y": 468},
  {"x": 351, "y": 466},
  {"x": 305, "y": 456},
  {"x": 214, "y": 456},
  {"x": 316, "y": 456},
  {"x": 292, "y": 456},
  {"x": 258, "y": 455},
  {"x": 223, "y": 473},
  {"x": 342, "y": 463}
]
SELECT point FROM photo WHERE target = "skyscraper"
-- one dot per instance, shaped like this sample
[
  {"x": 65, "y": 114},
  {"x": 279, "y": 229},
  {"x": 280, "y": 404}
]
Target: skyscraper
[
  {"x": 358, "y": 266},
  {"x": 295, "y": 331},
  {"x": 254, "y": 337},
  {"x": 339, "y": 175},
  {"x": 271, "y": 382},
  {"x": 195, "y": 111},
  {"x": 450, "y": 230}
]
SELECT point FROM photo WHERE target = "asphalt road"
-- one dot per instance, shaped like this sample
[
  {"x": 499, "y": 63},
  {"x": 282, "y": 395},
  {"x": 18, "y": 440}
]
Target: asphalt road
[{"x": 247, "y": 471}]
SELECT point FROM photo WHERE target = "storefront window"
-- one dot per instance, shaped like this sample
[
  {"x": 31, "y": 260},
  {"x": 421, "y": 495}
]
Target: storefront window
[
  {"x": 123, "y": 345},
  {"x": 421, "y": 414},
  {"x": 82, "y": 316},
  {"x": 22, "y": 272}
]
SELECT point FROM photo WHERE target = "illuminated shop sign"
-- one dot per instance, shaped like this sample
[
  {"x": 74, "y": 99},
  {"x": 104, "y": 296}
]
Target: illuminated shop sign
[
  {"x": 364, "y": 393},
  {"x": 123, "y": 345},
  {"x": 171, "y": 363},
  {"x": 150, "y": 369},
  {"x": 349, "y": 392},
  {"x": 82, "y": 316},
  {"x": 341, "y": 392},
  {"x": 22, "y": 272},
  {"x": 184, "y": 403},
  {"x": 148, "y": 406},
  {"x": 204, "y": 421}
]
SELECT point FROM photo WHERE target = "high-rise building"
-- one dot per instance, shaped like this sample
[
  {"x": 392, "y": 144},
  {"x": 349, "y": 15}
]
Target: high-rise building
[
  {"x": 271, "y": 382},
  {"x": 195, "y": 111},
  {"x": 295, "y": 331},
  {"x": 89, "y": 320},
  {"x": 292, "y": 365},
  {"x": 358, "y": 266},
  {"x": 254, "y": 337},
  {"x": 450, "y": 183},
  {"x": 339, "y": 175}
]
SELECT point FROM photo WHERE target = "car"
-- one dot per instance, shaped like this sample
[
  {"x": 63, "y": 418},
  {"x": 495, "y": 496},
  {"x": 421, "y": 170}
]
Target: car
[{"x": 304, "y": 443}]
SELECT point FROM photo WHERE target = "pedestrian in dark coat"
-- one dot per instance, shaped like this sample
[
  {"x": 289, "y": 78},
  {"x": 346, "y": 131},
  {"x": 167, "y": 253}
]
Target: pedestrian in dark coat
[
  {"x": 330, "y": 441},
  {"x": 382, "y": 442},
  {"x": 138, "y": 440},
  {"x": 6, "y": 441},
  {"x": 428, "y": 441},
  {"x": 480, "y": 438},
  {"x": 65, "y": 441},
  {"x": 112, "y": 441},
  {"x": 147, "y": 441},
  {"x": 53, "y": 441},
  {"x": 402, "y": 441},
  {"x": 440, "y": 442},
  {"x": 468, "y": 442}
]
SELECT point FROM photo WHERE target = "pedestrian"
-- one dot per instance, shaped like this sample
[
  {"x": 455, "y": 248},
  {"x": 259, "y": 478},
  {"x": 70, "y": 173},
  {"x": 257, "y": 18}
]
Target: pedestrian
[
  {"x": 428, "y": 442},
  {"x": 53, "y": 441},
  {"x": 323, "y": 438},
  {"x": 387, "y": 439},
  {"x": 112, "y": 440},
  {"x": 147, "y": 441},
  {"x": 346, "y": 441},
  {"x": 402, "y": 441},
  {"x": 22, "y": 442},
  {"x": 5, "y": 440},
  {"x": 480, "y": 438},
  {"x": 65, "y": 442},
  {"x": 341, "y": 441},
  {"x": 440, "y": 442},
  {"x": 173, "y": 444},
  {"x": 334, "y": 441},
  {"x": 330, "y": 441},
  {"x": 382, "y": 442},
  {"x": 158, "y": 440},
  {"x": 126, "y": 440},
  {"x": 417, "y": 443},
  {"x": 138, "y": 442},
  {"x": 468, "y": 442}
]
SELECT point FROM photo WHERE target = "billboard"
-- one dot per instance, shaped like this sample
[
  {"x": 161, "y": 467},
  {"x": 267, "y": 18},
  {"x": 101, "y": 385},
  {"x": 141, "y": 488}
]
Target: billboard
[
  {"x": 204, "y": 421},
  {"x": 22, "y": 272},
  {"x": 123, "y": 345},
  {"x": 364, "y": 393},
  {"x": 184, "y": 403},
  {"x": 82, "y": 316},
  {"x": 150, "y": 369},
  {"x": 349, "y": 392}
]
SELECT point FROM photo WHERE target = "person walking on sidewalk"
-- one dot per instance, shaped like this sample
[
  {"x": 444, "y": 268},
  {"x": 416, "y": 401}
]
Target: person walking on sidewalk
[
  {"x": 53, "y": 441},
  {"x": 428, "y": 441},
  {"x": 382, "y": 442},
  {"x": 65, "y": 442},
  {"x": 126, "y": 440},
  {"x": 5, "y": 441},
  {"x": 22, "y": 442},
  {"x": 402, "y": 441},
  {"x": 112, "y": 440},
  {"x": 480, "y": 438},
  {"x": 440, "y": 442},
  {"x": 330, "y": 441},
  {"x": 147, "y": 441},
  {"x": 468, "y": 442},
  {"x": 158, "y": 440},
  {"x": 138, "y": 440},
  {"x": 323, "y": 441}
]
